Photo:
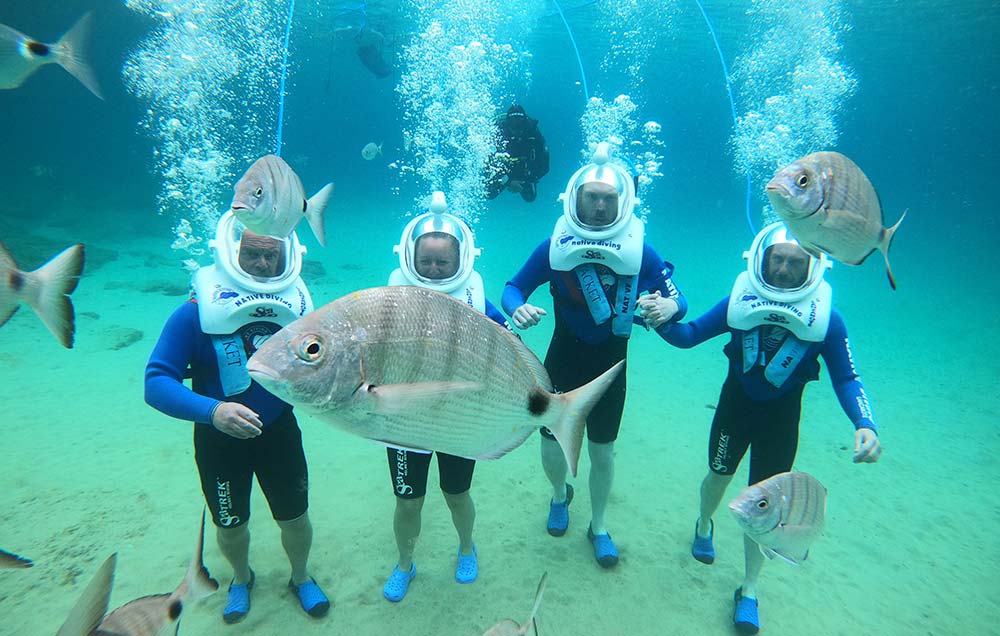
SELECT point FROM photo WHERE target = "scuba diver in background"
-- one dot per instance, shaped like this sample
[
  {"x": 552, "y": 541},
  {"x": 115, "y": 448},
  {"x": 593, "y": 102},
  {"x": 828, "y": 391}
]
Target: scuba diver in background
[
  {"x": 240, "y": 429},
  {"x": 522, "y": 159},
  {"x": 352, "y": 22},
  {"x": 780, "y": 320},
  {"x": 436, "y": 251}
]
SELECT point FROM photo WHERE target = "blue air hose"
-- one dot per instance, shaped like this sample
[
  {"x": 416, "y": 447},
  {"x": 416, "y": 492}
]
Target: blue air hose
[
  {"x": 284, "y": 76},
  {"x": 579, "y": 60},
  {"x": 732, "y": 103}
]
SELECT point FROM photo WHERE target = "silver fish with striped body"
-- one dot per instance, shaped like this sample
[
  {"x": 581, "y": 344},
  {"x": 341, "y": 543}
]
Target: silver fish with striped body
[
  {"x": 509, "y": 627},
  {"x": 21, "y": 56},
  {"x": 829, "y": 205},
  {"x": 782, "y": 514},
  {"x": 46, "y": 290},
  {"x": 11, "y": 561},
  {"x": 270, "y": 200},
  {"x": 154, "y": 615},
  {"x": 416, "y": 369}
]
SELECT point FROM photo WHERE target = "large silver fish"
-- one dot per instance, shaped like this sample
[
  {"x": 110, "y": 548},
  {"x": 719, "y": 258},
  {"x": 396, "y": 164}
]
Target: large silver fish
[
  {"x": 782, "y": 514},
  {"x": 155, "y": 615},
  {"x": 830, "y": 206},
  {"x": 46, "y": 290},
  {"x": 417, "y": 369},
  {"x": 20, "y": 55},
  {"x": 270, "y": 200},
  {"x": 509, "y": 627},
  {"x": 11, "y": 561}
]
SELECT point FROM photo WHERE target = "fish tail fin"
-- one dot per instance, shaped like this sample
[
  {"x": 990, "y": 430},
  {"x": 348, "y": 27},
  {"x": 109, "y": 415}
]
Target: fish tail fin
[
  {"x": 198, "y": 583},
  {"x": 576, "y": 406},
  {"x": 49, "y": 297},
  {"x": 70, "y": 53},
  {"x": 538, "y": 603},
  {"x": 886, "y": 243},
  {"x": 86, "y": 615},
  {"x": 315, "y": 208}
]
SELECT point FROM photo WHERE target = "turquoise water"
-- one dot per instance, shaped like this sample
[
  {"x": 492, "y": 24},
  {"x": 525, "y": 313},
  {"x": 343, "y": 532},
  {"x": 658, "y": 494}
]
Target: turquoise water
[{"x": 906, "y": 89}]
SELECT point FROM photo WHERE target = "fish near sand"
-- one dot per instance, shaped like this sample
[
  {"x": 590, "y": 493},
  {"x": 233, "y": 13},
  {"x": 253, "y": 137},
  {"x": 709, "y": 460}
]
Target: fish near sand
[
  {"x": 509, "y": 627},
  {"x": 11, "y": 561},
  {"x": 46, "y": 290},
  {"x": 270, "y": 200},
  {"x": 830, "y": 206},
  {"x": 145, "y": 616},
  {"x": 782, "y": 514},
  {"x": 21, "y": 55},
  {"x": 371, "y": 150},
  {"x": 417, "y": 369}
]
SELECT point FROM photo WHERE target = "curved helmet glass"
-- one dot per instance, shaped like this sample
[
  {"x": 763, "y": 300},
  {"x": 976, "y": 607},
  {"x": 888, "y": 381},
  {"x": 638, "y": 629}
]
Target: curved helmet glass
[
  {"x": 586, "y": 206},
  {"x": 258, "y": 263},
  {"x": 454, "y": 250},
  {"x": 780, "y": 269}
]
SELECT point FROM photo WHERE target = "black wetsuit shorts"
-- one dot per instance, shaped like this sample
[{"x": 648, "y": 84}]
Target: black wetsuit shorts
[
  {"x": 227, "y": 466},
  {"x": 408, "y": 471},
  {"x": 571, "y": 363},
  {"x": 769, "y": 428}
]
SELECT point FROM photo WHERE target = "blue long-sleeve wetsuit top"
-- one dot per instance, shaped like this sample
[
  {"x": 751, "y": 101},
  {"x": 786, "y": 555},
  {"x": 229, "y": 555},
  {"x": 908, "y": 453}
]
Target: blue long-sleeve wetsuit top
[
  {"x": 496, "y": 315},
  {"x": 567, "y": 298},
  {"x": 835, "y": 350},
  {"x": 183, "y": 343}
]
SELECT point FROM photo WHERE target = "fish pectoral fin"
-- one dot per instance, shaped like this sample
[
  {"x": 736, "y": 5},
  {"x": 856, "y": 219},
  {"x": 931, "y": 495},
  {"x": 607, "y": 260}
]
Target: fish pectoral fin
[{"x": 402, "y": 399}]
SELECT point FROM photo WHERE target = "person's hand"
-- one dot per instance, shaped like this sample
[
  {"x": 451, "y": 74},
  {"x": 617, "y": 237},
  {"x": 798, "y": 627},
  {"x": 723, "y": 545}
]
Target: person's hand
[
  {"x": 867, "y": 448},
  {"x": 656, "y": 310},
  {"x": 237, "y": 420},
  {"x": 527, "y": 316}
]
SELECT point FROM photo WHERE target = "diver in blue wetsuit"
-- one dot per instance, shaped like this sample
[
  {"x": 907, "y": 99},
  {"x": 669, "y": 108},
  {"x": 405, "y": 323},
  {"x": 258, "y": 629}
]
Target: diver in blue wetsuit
[
  {"x": 595, "y": 264},
  {"x": 436, "y": 251},
  {"x": 241, "y": 430},
  {"x": 780, "y": 321}
]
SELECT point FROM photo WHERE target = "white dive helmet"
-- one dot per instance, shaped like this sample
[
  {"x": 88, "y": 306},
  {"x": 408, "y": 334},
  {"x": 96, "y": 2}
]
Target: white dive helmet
[
  {"x": 600, "y": 170},
  {"x": 437, "y": 220},
  {"x": 226, "y": 251},
  {"x": 768, "y": 237}
]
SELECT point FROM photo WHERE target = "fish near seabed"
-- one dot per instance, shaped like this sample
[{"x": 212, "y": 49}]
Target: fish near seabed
[
  {"x": 46, "y": 290},
  {"x": 270, "y": 200},
  {"x": 782, "y": 514},
  {"x": 509, "y": 627},
  {"x": 416, "y": 369},
  {"x": 829, "y": 205},
  {"x": 145, "y": 616},
  {"x": 21, "y": 56},
  {"x": 11, "y": 561}
]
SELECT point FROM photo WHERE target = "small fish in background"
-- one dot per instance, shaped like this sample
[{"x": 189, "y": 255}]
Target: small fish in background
[
  {"x": 830, "y": 206},
  {"x": 146, "y": 616},
  {"x": 371, "y": 150},
  {"x": 46, "y": 290},
  {"x": 11, "y": 561},
  {"x": 509, "y": 627},
  {"x": 270, "y": 200},
  {"x": 782, "y": 514},
  {"x": 20, "y": 55},
  {"x": 413, "y": 368}
]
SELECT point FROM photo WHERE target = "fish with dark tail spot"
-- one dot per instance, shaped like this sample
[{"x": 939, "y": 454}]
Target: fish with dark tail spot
[
  {"x": 830, "y": 206},
  {"x": 782, "y": 514},
  {"x": 21, "y": 56},
  {"x": 46, "y": 290}
]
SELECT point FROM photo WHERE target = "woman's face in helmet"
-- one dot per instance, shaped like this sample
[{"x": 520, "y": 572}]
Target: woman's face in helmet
[
  {"x": 435, "y": 256},
  {"x": 786, "y": 266},
  {"x": 597, "y": 204}
]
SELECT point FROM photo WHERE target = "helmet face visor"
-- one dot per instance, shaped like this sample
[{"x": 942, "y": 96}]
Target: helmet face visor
[
  {"x": 256, "y": 261},
  {"x": 781, "y": 268},
  {"x": 437, "y": 251},
  {"x": 600, "y": 197}
]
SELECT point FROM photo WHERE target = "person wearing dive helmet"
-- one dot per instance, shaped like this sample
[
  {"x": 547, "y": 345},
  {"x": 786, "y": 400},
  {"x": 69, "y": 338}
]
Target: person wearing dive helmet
[
  {"x": 240, "y": 430},
  {"x": 596, "y": 262},
  {"x": 436, "y": 251},
  {"x": 780, "y": 320},
  {"x": 523, "y": 159}
]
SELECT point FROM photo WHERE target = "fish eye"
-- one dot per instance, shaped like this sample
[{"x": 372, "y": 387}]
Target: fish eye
[
  {"x": 802, "y": 181},
  {"x": 259, "y": 192},
  {"x": 762, "y": 504},
  {"x": 310, "y": 349}
]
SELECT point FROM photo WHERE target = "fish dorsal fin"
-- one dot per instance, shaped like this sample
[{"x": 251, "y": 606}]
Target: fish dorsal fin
[
  {"x": 401, "y": 399},
  {"x": 86, "y": 615}
]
